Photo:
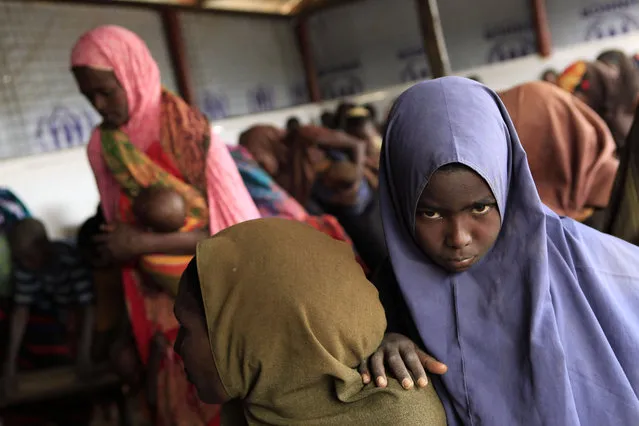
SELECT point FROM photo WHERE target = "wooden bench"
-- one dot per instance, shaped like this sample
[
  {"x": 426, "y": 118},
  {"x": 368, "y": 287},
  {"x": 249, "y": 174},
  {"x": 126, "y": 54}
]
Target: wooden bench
[{"x": 51, "y": 384}]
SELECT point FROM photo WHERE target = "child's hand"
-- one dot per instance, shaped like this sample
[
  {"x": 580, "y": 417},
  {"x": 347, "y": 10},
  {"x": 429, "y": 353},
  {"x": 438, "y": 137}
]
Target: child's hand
[
  {"x": 121, "y": 242},
  {"x": 405, "y": 359}
]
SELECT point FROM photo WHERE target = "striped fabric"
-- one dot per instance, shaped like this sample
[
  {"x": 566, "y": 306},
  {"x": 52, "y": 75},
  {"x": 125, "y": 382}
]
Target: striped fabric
[{"x": 66, "y": 282}]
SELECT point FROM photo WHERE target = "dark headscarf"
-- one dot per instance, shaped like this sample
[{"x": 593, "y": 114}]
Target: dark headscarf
[
  {"x": 610, "y": 90},
  {"x": 622, "y": 215}
]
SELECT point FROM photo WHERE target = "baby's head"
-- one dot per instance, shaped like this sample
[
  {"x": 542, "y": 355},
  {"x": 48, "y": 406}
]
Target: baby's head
[
  {"x": 30, "y": 245},
  {"x": 160, "y": 209},
  {"x": 457, "y": 220}
]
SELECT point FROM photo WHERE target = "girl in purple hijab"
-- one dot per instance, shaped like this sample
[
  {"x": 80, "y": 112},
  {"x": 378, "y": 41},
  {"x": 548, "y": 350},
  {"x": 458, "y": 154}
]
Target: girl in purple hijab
[{"x": 536, "y": 316}]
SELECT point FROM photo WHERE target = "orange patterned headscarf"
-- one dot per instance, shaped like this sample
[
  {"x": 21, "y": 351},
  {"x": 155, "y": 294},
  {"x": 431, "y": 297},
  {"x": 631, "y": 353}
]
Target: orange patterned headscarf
[{"x": 572, "y": 77}]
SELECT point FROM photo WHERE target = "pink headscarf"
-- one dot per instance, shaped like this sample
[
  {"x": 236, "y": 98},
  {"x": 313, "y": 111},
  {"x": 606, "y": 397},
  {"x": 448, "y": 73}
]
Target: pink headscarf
[{"x": 119, "y": 50}]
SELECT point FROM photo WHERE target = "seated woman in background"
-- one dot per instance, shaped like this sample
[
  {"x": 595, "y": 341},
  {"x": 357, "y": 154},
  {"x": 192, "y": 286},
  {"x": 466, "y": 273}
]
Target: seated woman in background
[
  {"x": 622, "y": 218},
  {"x": 277, "y": 315},
  {"x": 360, "y": 124},
  {"x": 324, "y": 170},
  {"x": 550, "y": 76},
  {"x": 536, "y": 316},
  {"x": 570, "y": 151},
  {"x": 272, "y": 201},
  {"x": 149, "y": 136},
  {"x": 610, "y": 90}
]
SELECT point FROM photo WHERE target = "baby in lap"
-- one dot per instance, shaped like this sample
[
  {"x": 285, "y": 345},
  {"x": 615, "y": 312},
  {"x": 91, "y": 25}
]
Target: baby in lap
[{"x": 162, "y": 210}]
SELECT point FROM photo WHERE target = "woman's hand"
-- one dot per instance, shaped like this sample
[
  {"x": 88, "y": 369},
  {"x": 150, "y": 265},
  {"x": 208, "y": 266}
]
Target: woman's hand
[
  {"x": 121, "y": 242},
  {"x": 404, "y": 359}
]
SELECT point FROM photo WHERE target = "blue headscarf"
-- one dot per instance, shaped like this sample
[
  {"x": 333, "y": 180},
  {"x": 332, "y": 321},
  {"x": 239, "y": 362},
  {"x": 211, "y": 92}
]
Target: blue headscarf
[{"x": 544, "y": 330}]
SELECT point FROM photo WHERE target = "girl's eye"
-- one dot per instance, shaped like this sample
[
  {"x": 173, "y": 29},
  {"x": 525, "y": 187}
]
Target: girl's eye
[
  {"x": 429, "y": 214},
  {"x": 481, "y": 208}
]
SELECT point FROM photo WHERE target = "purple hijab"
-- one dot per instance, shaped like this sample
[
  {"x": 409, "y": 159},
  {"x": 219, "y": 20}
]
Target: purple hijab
[{"x": 544, "y": 330}]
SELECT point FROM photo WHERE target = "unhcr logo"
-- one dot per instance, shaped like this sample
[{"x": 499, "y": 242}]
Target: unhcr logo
[
  {"x": 341, "y": 81},
  {"x": 510, "y": 41},
  {"x": 610, "y": 19},
  {"x": 64, "y": 128},
  {"x": 414, "y": 67},
  {"x": 215, "y": 105}
]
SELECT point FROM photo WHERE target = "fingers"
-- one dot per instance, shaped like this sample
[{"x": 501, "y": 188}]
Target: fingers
[
  {"x": 397, "y": 366},
  {"x": 377, "y": 368},
  {"x": 364, "y": 372},
  {"x": 431, "y": 364},
  {"x": 413, "y": 362}
]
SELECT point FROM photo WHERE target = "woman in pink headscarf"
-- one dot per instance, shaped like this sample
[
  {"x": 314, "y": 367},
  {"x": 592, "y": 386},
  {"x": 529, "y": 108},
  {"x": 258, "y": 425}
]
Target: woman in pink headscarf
[{"x": 150, "y": 137}]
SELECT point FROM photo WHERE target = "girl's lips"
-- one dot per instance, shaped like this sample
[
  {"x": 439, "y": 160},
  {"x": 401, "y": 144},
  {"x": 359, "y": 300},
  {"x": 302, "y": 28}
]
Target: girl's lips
[{"x": 461, "y": 263}]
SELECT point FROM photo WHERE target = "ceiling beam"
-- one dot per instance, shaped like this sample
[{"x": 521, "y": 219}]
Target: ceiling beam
[
  {"x": 159, "y": 7},
  {"x": 433, "y": 38},
  {"x": 305, "y": 48},
  {"x": 177, "y": 51},
  {"x": 542, "y": 27},
  {"x": 311, "y": 7}
]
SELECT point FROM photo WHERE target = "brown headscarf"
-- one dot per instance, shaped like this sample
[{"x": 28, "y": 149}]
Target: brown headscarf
[
  {"x": 570, "y": 149},
  {"x": 610, "y": 90},
  {"x": 290, "y": 316}
]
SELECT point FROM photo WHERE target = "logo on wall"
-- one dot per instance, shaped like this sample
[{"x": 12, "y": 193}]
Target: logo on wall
[
  {"x": 298, "y": 94},
  {"x": 261, "y": 99},
  {"x": 415, "y": 66},
  {"x": 215, "y": 105},
  {"x": 609, "y": 20},
  {"x": 341, "y": 81},
  {"x": 64, "y": 128},
  {"x": 510, "y": 41}
]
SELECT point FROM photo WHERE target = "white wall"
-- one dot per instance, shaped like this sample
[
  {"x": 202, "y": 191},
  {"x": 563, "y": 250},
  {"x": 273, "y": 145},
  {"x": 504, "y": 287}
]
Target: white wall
[
  {"x": 367, "y": 45},
  {"x": 371, "y": 44},
  {"x": 41, "y": 109},
  {"x": 240, "y": 65},
  {"x": 59, "y": 187},
  {"x": 234, "y": 59}
]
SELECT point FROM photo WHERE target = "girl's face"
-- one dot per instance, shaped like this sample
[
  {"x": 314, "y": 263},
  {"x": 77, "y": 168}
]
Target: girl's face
[
  {"x": 192, "y": 344},
  {"x": 457, "y": 221}
]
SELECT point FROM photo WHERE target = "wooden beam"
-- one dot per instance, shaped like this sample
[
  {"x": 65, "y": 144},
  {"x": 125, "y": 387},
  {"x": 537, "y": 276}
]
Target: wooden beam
[
  {"x": 177, "y": 52},
  {"x": 433, "y": 36},
  {"x": 542, "y": 27},
  {"x": 306, "y": 52},
  {"x": 310, "y": 7},
  {"x": 159, "y": 7}
]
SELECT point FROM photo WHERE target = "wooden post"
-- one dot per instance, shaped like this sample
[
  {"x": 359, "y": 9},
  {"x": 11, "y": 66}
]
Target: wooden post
[
  {"x": 542, "y": 27},
  {"x": 304, "y": 45},
  {"x": 177, "y": 52},
  {"x": 433, "y": 35}
]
